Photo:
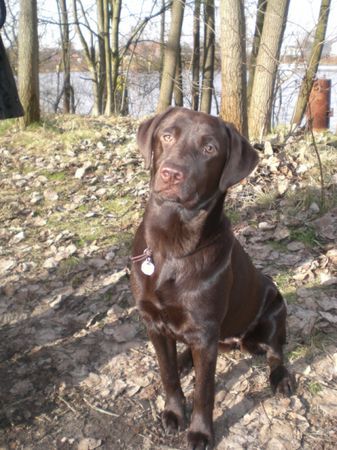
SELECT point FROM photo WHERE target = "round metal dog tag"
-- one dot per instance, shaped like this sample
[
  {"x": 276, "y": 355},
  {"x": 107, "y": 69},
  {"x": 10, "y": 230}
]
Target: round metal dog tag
[{"x": 147, "y": 267}]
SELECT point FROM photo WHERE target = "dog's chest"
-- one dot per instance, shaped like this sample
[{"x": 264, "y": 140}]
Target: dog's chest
[{"x": 165, "y": 308}]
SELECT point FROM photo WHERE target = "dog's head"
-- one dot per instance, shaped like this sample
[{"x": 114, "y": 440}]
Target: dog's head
[{"x": 193, "y": 155}]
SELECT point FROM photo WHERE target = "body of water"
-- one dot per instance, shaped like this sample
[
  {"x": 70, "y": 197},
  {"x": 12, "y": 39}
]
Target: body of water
[{"x": 143, "y": 91}]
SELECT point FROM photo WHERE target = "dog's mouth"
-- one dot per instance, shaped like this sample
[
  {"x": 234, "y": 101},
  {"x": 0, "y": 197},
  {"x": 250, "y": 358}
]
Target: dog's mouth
[{"x": 187, "y": 200}]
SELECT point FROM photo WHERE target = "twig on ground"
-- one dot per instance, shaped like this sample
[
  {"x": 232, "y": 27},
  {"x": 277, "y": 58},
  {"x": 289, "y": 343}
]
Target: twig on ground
[
  {"x": 103, "y": 411},
  {"x": 68, "y": 404},
  {"x": 264, "y": 410}
]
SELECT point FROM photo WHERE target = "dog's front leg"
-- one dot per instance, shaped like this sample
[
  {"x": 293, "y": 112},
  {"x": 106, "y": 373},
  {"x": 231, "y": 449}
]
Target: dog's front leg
[
  {"x": 174, "y": 413},
  {"x": 200, "y": 434}
]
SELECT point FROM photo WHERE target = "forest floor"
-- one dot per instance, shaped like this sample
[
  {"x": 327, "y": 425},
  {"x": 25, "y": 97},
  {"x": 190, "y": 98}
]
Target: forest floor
[{"x": 76, "y": 368}]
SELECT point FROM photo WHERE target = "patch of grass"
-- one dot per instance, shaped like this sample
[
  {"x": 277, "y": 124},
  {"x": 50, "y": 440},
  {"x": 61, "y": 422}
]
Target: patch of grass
[
  {"x": 300, "y": 352},
  {"x": 267, "y": 200},
  {"x": 319, "y": 340},
  {"x": 55, "y": 176},
  {"x": 307, "y": 235},
  {"x": 277, "y": 245},
  {"x": 233, "y": 215},
  {"x": 66, "y": 266},
  {"x": 290, "y": 296},
  {"x": 6, "y": 125},
  {"x": 77, "y": 280},
  {"x": 43, "y": 137},
  {"x": 314, "y": 387},
  {"x": 283, "y": 281},
  {"x": 301, "y": 199},
  {"x": 118, "y": 206}
]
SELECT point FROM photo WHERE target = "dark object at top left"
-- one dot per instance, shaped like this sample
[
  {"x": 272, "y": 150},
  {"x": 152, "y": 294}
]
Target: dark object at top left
[{"x": 10, "y": 105}]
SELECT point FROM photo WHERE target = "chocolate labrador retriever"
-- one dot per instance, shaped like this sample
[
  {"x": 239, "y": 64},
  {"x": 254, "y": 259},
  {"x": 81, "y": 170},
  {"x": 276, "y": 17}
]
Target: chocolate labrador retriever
[{"x": 191, "y": 279}]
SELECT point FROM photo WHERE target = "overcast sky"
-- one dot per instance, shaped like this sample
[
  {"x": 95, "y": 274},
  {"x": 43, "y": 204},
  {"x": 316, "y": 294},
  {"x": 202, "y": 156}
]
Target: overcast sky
[{"x": 302, "y": 18}]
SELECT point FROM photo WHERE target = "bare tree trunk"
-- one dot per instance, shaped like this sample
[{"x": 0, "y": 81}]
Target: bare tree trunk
[
  {"x": 90, "y": 59},
  {"x": 107, "y": 50},
  {"x": 208, "y": 62},
  {"x": 196, "y": 56},
  {"x": 170, "y": 58},
  {"x": 64, "y": 28},
  {"x": 313, "y": 62},
  {"x": 101, "y": 80},
  {"x": 266, "y": 66},
  {"x": 29, "y": 62},
  {"x": 178, "y": 82},
  {"x": 117, "y": 93},
  {"x": 233, "y": 64},
  {"x": 261, "y": 10}
]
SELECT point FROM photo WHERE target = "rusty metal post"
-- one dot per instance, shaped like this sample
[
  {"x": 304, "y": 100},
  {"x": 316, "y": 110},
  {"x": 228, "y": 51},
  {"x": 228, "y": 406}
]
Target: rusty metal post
[{"x": 318, "y": 109}]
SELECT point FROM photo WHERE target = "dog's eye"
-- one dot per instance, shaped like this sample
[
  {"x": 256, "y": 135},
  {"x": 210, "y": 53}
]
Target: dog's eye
[
  {"x": 208, "y": 149},
  {"x": 167, "y": 137}
]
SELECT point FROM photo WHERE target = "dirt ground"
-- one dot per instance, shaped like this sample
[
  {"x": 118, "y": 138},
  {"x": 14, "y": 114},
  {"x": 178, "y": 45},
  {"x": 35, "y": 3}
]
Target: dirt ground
[{"x": 76, "y": 368}]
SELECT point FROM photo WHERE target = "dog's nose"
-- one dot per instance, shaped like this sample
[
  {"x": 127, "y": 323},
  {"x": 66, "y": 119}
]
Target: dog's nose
[{"x": 171, "y": 175}]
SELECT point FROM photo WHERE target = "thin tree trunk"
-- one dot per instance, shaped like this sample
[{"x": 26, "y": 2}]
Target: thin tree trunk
[
  {"x": 208, "y": 62},
  {"x": 233, "y": 64},
  {"x": 107, "y": 50},
  {"x": 313, "y": 62},
  {"x": 65, "y": 56},
  {"x": 196, "y": 56},
  {"x": 90, "y": 59},
  {"x": 266, "y": 66},
  {"x": 261, "y": 10},
  {"x": 170, "y": 58},
  {"x": 28, "y": 70},
  {"x": 178, "y": 82},
  {"x": 117, "y": 95},
  {"x": 101, "y": 81}
]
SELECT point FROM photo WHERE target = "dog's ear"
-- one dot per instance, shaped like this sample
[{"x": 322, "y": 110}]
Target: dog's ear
[
  {"x": 241, "y": 161},
  {"x": 145, "y": 134}
]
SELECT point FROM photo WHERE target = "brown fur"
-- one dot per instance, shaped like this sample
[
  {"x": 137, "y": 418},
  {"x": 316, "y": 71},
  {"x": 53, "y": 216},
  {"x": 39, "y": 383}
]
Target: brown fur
[{"x": 204, "y": 291}]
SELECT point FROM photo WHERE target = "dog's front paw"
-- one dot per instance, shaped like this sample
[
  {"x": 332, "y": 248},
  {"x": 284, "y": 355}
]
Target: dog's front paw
[
  {"x": 282, "y": 382},
  {"x": 199, "y": 441},
  {"x": 172, "y": 421}
]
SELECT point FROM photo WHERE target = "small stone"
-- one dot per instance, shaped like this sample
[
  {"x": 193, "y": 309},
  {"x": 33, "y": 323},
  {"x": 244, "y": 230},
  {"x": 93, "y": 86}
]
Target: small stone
[
  {"x": 50, "y": 263},
  {"x": 332, "y": 255},
  {"x": 282, "y": 186},
  {"x": 295, "y": 246},
  {"x": 36, "y": 198},
  {"x": 118, "y": 388},
  {"x": 6, "y": 265},
  {"x": 302, "y": 168},
  {"x": 81, "y": 171},
  {"x": 50, "y": 195},
  {"x": 281, "y": 233},
  {"x": 248, "y": 231},
  {"x": 97, "y": 263},
  {"x": 65, "y": 252},
  {"x": 266, "y": 226},
  {"x": 18, "y": 237},
  {"x": 101, "y": 192},
  {"x": 314, "y": 207},
  {"x": 124, "y": 332},
  {"x": 39, "y": 222},
  {"x": 268, "y": 149},
  {"x": 89, "y": 444},
  {"x": 326, "y": 226},
  {"x": 327, "y": 279},
  {"x": 92, "y": 380}
]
